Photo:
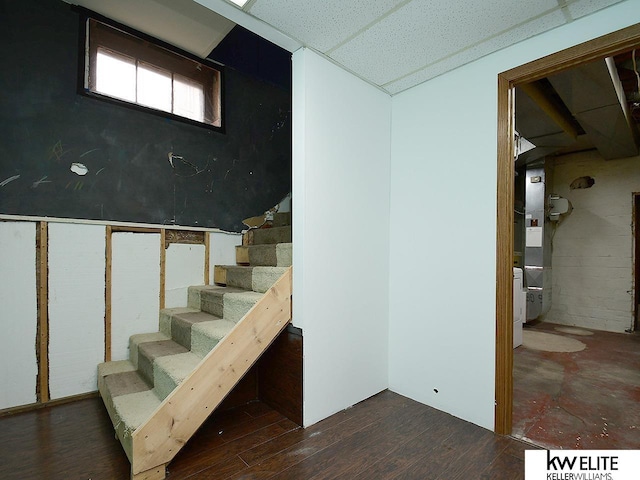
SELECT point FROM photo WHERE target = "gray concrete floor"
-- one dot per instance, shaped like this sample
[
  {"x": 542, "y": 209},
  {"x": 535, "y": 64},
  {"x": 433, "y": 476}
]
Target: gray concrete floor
[{"x": 589, "y": 399}]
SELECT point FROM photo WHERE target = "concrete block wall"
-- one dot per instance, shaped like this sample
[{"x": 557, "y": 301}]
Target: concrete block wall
[{"x": 592, "y": 258}]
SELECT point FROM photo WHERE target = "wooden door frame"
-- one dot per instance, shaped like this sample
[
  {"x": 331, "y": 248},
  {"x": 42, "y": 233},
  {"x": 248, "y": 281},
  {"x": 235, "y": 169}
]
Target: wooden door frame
[
  {"x": 607, "y": 45},
  {"x": 636, "y": 258}
]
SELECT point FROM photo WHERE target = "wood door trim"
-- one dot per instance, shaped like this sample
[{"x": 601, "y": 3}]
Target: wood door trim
[
  {"x": 636, "y": 258},
  {"x": 607, "y": 45}
]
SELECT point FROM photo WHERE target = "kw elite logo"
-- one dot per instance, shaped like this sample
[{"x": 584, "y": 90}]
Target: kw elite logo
[{"x": 582, "y": 464}]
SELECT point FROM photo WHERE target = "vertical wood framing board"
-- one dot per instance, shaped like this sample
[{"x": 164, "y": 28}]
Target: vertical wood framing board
[
  {"x": 18, "y": 314},
  {"x": 76, "y": 307},
  {"x": 222, "y": 248},
  {"x": 135, "y": 292},
  {"x": 107, "y": 294},
  {"x": 163, "y": 268},
  {"x": 184, "y": 266},
  {"x": 42, "y": 282},
  {"x": 207, "y": 257},
  {"x": 159, "y": 439}
]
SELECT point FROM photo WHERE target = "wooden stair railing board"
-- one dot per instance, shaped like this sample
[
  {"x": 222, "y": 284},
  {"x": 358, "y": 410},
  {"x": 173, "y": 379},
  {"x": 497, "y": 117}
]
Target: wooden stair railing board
[{"x": 159, "y": 439}]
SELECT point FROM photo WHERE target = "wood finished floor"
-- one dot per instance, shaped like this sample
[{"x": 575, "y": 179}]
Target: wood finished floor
[{"x": 385, "y": 437}]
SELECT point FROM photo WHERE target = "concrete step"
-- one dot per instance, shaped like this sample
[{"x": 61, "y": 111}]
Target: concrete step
[
  {"x": 170, "y": 370},
  {"x": 229, "y": 303},
  {"x": 268, "y": 255},
  {"x": 178, "y": 323},
  {"x": 258, "y": 279},
  {"x": 149, "y": 353},
  {"x": 132, "y": 389},
  {"x": 281, "y": 219},
  {"x": 206, "y": 335},
  {"x": 129, "y": 399},
  {"x": 261, "y": 236}
]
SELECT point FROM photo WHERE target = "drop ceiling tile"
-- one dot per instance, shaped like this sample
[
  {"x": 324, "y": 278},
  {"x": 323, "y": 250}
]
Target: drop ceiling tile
[
  {"x": 510, "y": 37},
  {"x": 580, "y": 8},
  {"x": 321, "y": 24},
  {"x": 426, "y": 31}
]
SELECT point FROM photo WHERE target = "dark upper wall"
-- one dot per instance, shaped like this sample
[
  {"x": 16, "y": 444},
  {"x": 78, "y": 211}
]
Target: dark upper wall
[{"x": 47, "y": 125}]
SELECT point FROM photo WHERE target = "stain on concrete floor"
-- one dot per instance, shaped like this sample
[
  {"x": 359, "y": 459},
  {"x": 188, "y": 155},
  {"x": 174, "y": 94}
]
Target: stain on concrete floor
[{"x": 588, "y": 399}]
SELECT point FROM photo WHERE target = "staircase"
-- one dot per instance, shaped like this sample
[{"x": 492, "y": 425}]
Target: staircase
[{"x": 176, "y": 377}]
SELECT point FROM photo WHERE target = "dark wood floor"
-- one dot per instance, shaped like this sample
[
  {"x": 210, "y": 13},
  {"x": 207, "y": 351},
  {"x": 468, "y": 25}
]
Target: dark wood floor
[{"x": 387, "y": 436}]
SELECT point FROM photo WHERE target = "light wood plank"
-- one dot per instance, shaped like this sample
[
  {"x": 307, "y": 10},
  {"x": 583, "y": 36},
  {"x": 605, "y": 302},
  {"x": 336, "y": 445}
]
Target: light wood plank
[
  {"x": 219, "y": 275},
  {"x": 116, "y": 228},
  {"x": 158, "y": 440},
  {"x": 157, "y": 473},
  {"x": 163, "y": 267},
  {"x": 207, "y": 257},
  {"x": 242, "y": 255},
  {"x": 42, "y": 241}
]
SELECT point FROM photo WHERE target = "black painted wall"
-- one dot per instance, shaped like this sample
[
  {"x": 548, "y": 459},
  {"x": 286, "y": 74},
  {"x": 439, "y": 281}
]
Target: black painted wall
[{"x": 46, "y": 126}]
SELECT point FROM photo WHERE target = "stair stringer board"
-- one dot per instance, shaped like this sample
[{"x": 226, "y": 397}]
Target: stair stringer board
[{"x": 158, "y": 440}]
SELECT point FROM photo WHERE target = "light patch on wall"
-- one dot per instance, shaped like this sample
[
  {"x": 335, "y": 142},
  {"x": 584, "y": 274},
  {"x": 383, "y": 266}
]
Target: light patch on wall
[
  {"x": 79, "y": 168},
  {"x": 135, "y": 289},
  {"x": 184, "y": 267},
  {"x": 582, "y": 182},
  {"x": 18, "y": 313},
  {"x": 76, "y": 307}
]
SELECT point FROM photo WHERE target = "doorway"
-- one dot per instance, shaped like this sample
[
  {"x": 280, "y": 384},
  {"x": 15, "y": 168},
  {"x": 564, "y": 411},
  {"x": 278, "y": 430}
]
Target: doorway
[{"x": 608, "y": 45}]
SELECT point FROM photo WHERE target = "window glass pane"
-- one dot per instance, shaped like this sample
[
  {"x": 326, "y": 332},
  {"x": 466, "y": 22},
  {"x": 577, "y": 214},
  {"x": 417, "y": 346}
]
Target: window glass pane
[
  {"x": 154, "y": 87},
  {"x": 115, "y": 75},
  {"x": 188, "y": 98}
]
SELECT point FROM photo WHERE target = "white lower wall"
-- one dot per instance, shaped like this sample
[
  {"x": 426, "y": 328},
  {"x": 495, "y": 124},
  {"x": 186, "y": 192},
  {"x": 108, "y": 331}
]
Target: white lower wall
[
  {"x": 184, "y": 267},
  {"x": 76, "y": 274},
  {"x": 443, "y": 224},
  {"x": 222, "y": 248},
  {"x": 76, "y": 307},
  {"x": 340, "y": 234},
  {"x": 18, "y": 314},
  {"x": 592, "y": 256},
  {"x": 135, "y": 288}
]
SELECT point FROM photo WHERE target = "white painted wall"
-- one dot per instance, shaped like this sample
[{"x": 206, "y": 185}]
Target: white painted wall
[
  {"x": 76, "y": 307},
  {"x": 184, "y": 267},
  {"x": 222, "y": 248},
  {"x": 443, "y": 227},
  {"x": 18, "y": 314},
  {"x": 592, "y": 256},
  {"x": 76, "y": 267},
  {"x": 340, "y": 233},
  {"x": 135, "y": 288}
]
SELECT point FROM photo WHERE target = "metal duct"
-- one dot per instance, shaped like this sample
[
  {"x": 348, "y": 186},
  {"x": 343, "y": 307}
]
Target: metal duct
[{"x": 537, "y": 252}]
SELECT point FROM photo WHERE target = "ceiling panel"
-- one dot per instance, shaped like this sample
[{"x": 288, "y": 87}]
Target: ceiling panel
[
  {"x": 580, "y": 8},
  {"x": 540, "y": 24},
  {"x": 413, "y": 53},
  {"x": 397, "y": 44},
  {"x": 394, "y": 44},
  {"x": 322, "y": 24}
]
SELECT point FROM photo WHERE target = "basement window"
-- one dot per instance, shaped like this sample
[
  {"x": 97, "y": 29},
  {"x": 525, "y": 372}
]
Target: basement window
[{"x": 133, "y": 69}]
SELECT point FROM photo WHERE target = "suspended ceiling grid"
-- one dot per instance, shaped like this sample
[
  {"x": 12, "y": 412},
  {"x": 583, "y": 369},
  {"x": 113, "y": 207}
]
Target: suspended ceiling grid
[{"x": 396, "y": 44}]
